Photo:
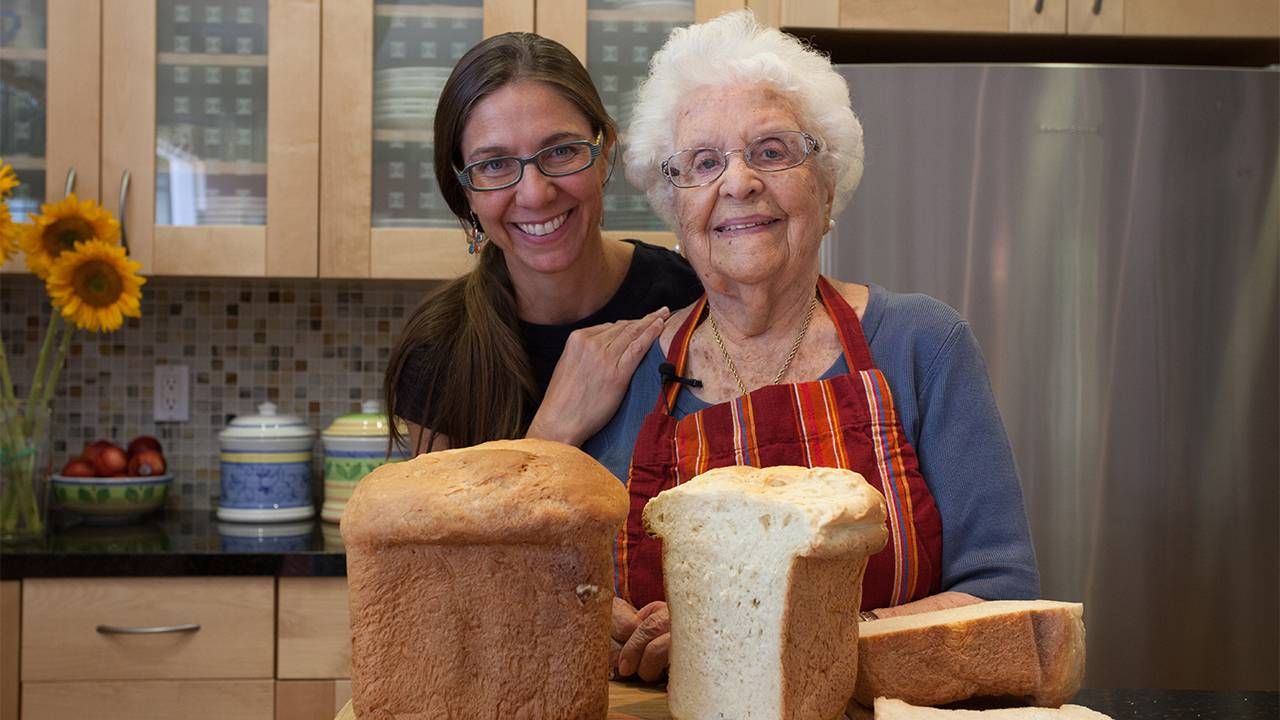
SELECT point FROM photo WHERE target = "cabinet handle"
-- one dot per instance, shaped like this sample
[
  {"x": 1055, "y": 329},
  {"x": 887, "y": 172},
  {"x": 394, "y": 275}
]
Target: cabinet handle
[
  {"x": 117, "y": 630},
  {"x": 71, "y": 182},
  {"x": 1097, "y": 7},
  {"x": 124, "y": 194},
  {"x": 1039, "y": 7}
]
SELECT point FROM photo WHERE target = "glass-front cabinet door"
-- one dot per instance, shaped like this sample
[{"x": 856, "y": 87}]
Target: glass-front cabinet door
[
  {"x": 381, "y": 213},
  {"x": 211, "y": 133},
  {"x": 49, "y": 112},
  {"x": 615, "y": 40}
]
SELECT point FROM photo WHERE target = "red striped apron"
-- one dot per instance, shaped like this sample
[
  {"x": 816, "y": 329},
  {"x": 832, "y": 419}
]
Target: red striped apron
[{"x": 848, "y": 421}]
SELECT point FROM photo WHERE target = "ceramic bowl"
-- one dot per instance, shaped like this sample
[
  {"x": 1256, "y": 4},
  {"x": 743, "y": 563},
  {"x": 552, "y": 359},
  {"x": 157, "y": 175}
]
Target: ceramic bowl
[{"x": 118, "y": 500}]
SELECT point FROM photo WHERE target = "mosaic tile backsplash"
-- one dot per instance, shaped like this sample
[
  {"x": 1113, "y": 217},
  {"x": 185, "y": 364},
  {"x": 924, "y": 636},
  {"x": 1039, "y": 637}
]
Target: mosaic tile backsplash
[{"x": 315, "y": 348}]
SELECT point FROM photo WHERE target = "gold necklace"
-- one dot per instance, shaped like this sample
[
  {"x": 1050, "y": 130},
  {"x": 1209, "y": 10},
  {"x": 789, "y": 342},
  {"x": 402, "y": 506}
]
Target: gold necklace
[{"x": 786, "y": 365}]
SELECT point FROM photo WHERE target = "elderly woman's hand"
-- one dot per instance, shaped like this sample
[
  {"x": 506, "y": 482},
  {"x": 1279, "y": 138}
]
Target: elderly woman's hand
[
  {"x": 647, "y": 652},
  {"x": 592, "y": 376}
]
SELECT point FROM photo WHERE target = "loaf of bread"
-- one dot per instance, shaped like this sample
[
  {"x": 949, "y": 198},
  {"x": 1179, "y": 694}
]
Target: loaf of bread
[
  {"x": 763, "y": 571},
  {"x": 481, "y": 584},
  {"x": 893, "y": 709},
  {"x": 1032, "y": 650}
]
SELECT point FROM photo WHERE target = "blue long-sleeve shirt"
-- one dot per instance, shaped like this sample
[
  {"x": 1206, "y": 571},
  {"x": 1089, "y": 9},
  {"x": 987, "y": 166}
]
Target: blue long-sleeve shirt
[{"x": 938, "y": 377}]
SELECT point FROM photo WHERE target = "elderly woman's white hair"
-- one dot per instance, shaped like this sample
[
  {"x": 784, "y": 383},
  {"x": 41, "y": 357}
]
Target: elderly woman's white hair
[{"x": 731, "y": 49}]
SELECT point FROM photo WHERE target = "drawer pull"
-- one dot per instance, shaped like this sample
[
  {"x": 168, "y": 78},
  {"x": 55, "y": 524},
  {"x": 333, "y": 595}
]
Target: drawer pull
[{"x": 117, "y": 630}]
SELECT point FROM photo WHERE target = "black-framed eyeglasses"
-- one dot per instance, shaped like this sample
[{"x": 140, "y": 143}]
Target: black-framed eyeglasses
[
  {"x": 783, "y": 150},
  {"x": 557, "y": 160}
]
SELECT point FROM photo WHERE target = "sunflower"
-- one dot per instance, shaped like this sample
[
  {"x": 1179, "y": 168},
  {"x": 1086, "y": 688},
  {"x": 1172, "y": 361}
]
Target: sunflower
[
  {"x": 95, "y": 286},
  {"x": 8, "y": 234},
  {"x": 8, "y": 179},
  {"x": 60, "y": 226}
]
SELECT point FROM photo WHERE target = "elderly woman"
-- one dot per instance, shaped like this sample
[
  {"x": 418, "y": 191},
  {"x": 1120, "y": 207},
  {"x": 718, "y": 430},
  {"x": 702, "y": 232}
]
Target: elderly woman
[{"x": 745, "y": 142}]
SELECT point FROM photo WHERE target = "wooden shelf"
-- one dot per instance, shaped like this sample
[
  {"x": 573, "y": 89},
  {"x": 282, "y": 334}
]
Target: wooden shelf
[
  {"x": 36, "y": 54},
  {"x": 168, "y": 58}
]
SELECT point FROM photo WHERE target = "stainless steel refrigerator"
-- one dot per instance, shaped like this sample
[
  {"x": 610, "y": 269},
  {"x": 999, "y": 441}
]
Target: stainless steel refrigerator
[{"x": 1112, "y": 235}]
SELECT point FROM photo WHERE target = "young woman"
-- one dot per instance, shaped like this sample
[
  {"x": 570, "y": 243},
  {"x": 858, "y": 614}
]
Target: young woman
[{"x": 541, "y": 338}]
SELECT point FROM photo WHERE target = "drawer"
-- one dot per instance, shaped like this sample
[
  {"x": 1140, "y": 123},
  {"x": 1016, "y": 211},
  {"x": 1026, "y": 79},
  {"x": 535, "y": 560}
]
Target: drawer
[
  {"x": 314, "y": 629},
  {"x": 62, "y": 637},
  {"x": 186, "y": 699}
]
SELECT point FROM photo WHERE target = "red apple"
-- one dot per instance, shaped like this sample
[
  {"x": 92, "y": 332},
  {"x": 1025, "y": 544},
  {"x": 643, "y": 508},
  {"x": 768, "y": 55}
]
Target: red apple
[
  {"x": 110, "y": 461},
  {"x": 143, "y": 442},
  {"x": 92, "y": 449},
  {"x": 78, "y": 467},
  {"x": 145, "y": 463}
]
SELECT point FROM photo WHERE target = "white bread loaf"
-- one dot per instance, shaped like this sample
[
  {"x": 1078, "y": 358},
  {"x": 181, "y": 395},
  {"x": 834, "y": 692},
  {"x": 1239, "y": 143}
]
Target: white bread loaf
[
  {"x": 763, "y": 571},
  {"x": 893, "y": 709},
  {"x": 481, "y": 584},
  {"x": 1027, "y": 649}
]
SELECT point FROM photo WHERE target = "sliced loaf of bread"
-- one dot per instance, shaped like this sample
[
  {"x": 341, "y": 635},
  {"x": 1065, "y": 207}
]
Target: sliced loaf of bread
[
  {"x": 763, "y": 572},
  {"x": 1032, "y": 650},
  {"x": 893, "y": 709}
]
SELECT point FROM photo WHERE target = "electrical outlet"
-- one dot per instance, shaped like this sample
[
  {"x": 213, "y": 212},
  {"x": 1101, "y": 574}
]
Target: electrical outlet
[{"x": 171, "y": 393}]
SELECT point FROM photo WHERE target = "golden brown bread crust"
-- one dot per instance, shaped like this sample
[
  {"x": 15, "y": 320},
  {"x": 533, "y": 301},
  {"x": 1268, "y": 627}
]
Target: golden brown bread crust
[
  {"x": 820, "y": 636},
  {"x": 481, "y": 632},
  {"x": 468, "y": 495},
  {"x": 481, "y": 584},
  {"x": 1036, "y": 654}
]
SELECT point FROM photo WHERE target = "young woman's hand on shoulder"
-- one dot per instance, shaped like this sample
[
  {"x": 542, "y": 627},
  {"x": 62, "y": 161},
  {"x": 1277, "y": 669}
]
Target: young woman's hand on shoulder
[{"x": 592, "y": 376}]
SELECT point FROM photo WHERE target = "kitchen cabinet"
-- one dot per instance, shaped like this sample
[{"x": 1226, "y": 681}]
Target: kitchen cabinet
[
  {"x": 83, "y": 653},
  {"x": 213, "y": 111},
  {"x": 49, "y": 85},
  {"x": 1175, "y": 18},
  {"x": 381, "y": 213},
  {"x": 265, "y": 648},
  {"x": 1146, "y": 18},
  {"x": 313, "y": 648},
  {"x": 10, "y": 620}
]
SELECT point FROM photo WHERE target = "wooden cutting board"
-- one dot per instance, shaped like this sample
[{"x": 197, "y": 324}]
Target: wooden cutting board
[{"x": 626, "y": 702}]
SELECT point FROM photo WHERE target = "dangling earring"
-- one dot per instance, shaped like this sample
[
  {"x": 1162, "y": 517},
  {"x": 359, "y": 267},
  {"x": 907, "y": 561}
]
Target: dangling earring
[
  {"x": 831, "y": 225},
  {"x": 476, "y": 238}
]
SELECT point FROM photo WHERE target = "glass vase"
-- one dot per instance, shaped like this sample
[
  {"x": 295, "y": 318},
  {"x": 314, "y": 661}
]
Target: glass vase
[{"x": 25, "y": 465}]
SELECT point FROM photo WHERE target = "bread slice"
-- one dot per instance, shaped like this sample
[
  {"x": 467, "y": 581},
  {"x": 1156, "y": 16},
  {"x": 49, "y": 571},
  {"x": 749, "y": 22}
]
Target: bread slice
[
  {"x": 893, "y": 709},
  {"x": 1027, "y": 649},
  {"x": 481, "y": 584},
  {"x": 763, "y": 571}
]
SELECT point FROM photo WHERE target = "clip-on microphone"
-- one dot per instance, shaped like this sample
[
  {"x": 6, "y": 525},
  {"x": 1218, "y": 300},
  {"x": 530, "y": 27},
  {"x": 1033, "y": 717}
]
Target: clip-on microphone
[{"x": 668, "y": 373}]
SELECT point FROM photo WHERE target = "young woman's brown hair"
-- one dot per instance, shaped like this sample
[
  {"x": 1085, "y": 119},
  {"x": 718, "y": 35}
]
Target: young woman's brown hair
[{"x": 477, "y": 383}]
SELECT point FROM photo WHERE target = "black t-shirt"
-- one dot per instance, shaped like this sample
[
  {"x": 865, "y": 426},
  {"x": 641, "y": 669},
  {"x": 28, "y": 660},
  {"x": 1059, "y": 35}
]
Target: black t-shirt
[{"x": 656, "y": 277}]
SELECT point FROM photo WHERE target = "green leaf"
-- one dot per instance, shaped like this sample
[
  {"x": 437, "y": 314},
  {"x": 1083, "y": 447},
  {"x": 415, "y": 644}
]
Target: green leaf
[
  {"x": 149, "y": 492},
  {"x": 104, "y": 494},
  {"x": 83, "y": 495},
  {"x": 131, "y": 494}
]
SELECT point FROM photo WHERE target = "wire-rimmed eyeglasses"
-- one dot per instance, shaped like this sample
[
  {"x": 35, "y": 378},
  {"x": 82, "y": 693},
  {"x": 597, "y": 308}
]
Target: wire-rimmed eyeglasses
[
  {"x": 557, "y": 160},
  {"x": 783, "y": 150}
]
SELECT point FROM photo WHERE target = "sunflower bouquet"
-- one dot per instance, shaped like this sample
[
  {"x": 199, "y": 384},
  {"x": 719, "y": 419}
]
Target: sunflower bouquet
[{"x": 74, "y": 246}]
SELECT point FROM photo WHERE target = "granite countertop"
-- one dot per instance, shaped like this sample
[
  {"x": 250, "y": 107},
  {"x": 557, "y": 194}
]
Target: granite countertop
[{"x": 179, "y": 543}]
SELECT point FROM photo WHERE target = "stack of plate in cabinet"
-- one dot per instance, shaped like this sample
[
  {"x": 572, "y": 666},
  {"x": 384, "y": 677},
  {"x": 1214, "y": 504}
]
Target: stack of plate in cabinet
[{"x": 404, "y": 98}]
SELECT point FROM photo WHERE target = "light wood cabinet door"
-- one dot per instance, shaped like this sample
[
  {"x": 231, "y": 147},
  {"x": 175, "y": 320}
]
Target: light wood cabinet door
[
  {"x": 49, "y": 66},
  {"x": 155, "y": 700},
  {"x": 926, "y": 15},
  {"x": 1175, "y": 18},
  {"x": 79, "y": 628},
  {"x": 313, "y": 629},
  {"x": 381, "y": 213},
  {"x": 10, "y": 622},
  {"x": 214, "y": 113},
  {"x": 311, "y": 699}
]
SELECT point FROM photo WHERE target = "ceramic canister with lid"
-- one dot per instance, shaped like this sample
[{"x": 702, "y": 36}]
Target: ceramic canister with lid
[
  {"x": 353, "y": 446},
  {"x": 266, "y": 468}
]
